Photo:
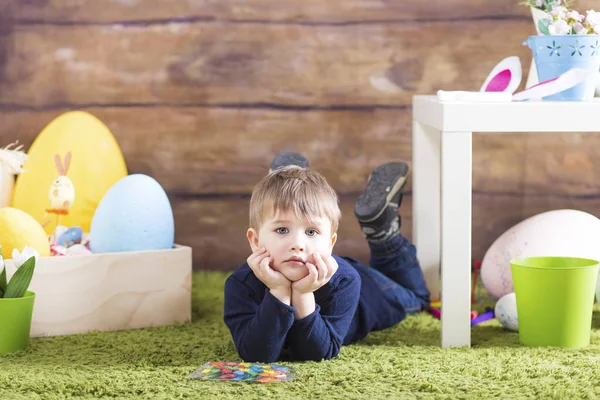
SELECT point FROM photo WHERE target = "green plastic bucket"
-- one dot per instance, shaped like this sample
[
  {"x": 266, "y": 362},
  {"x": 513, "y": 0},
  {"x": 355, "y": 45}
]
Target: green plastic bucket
[
  {"x": 15, "y": 322},
  {"x": 555, "y": 296}
]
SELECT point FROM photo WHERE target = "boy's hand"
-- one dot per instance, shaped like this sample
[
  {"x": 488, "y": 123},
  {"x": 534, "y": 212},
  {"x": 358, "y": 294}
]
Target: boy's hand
[
  {"x": 259, "y": 263},
  {"x": 319, "y": 274}
]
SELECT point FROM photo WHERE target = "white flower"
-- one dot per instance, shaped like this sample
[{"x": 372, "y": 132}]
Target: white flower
[
  {"x": 20, "y": 258},
  {"x": 559, "y": 27},
  {"x": 596, "y": 29},
  {"x": 593, "y": 18},
  {"x": 574, "y": 15},
  {"x": 579, "y": 28},
  {"x": 558, "y": 12}
]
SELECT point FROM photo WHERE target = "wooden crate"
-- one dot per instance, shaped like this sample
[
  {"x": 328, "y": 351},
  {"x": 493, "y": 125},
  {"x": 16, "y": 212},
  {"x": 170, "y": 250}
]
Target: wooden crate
[{"x": 111, "y": 291}]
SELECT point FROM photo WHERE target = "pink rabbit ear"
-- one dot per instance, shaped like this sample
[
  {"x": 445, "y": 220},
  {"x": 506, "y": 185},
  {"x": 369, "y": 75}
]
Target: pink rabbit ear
[
  {"x": 59, "y": 166},
  {"x": 67, "y": 162},
  {"x": 499, "y": 82},
  {"x": 505, "y": 77}
]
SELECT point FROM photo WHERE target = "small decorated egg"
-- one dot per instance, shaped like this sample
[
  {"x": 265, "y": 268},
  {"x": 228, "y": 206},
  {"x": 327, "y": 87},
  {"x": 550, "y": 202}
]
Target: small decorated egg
[
  {"x": 70, "y": 237},
  {"x": 506, "y": 312}
]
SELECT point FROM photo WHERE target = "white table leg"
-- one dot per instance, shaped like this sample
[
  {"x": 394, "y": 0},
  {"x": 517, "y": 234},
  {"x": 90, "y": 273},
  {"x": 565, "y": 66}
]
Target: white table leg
[
  {"x": 456, "y": 238},
  {"x": 426, "y": 203}
]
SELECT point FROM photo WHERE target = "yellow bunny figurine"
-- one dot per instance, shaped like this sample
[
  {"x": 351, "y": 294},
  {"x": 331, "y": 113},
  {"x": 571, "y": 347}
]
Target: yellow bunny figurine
[{"x": 62, "y": 191}]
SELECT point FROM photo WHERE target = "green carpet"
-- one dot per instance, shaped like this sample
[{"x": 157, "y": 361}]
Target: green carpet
[{"x": 402, "y": 362}]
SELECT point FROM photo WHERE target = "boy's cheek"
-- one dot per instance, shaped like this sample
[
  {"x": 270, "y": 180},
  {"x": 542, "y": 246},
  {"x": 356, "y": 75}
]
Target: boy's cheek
[
  {"x": 311, "y": 258},
  {"x": 275, "y": 265}
]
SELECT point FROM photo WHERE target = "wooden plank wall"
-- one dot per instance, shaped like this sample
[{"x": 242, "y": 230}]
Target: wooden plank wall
[{"x": 202, "y": 94}]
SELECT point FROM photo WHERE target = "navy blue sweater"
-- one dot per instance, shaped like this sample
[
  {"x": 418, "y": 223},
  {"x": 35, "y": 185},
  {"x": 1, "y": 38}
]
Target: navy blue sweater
[{"x": 348, "y": 307}]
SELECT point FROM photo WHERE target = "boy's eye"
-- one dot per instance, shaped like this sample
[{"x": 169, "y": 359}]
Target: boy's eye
[
  {"x": 311, "y": 232},
  {"x": 282, "y": 231}
]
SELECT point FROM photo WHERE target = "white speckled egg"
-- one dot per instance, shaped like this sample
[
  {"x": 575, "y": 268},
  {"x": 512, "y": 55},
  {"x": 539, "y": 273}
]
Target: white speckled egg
[
  {"x": 506, "y": 312},
  {"x": 565, "y": 233},
  {"x": 134, "y": 215}
]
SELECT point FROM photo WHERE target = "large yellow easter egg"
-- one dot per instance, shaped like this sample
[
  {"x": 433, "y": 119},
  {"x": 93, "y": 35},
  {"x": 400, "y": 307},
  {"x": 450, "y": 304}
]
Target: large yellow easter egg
[
  {"x": 79, "y": 146},
  {"x": 19, "y": 229}
]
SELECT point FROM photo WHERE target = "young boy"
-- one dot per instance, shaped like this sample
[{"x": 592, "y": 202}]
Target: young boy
[{"x": 293, "y": 297}]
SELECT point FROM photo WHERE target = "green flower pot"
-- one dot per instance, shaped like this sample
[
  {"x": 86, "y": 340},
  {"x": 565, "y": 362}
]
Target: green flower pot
[
  {"x": 555, "y": 297},
  {"x": 15, "y": 322}
]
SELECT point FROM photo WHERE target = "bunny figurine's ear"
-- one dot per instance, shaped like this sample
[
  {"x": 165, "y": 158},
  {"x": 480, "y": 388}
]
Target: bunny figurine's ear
[
  {"x": 67, "y": 162},
  {"x": 59, "y": 166},
  {"x": 505, "y": 77}
]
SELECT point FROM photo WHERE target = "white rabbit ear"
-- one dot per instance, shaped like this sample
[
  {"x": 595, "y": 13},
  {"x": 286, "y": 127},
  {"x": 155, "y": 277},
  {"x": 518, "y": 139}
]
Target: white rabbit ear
[
  {"x": 505, "y": 77},
  {"x": 569, "y": 79},
  {"x": 59, "y": 166},
  {"x": 67, "y": 162}
]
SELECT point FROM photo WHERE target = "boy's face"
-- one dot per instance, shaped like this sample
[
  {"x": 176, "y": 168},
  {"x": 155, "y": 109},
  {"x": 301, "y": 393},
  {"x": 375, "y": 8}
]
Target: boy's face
[{"x": 292, "y": 241}]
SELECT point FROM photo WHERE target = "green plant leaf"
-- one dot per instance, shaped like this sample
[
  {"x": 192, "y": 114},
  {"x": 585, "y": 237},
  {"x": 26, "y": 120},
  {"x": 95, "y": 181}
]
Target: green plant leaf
[
  {"x": 543, "y": 26},
  {"x": 2, "y": 281},
  {"x": 2, "y": 276},
  {"x": 18, "y": 284}
]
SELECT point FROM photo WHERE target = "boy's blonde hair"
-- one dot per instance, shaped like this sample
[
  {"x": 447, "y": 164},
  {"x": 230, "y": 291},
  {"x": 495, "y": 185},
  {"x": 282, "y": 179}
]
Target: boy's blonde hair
[{"x": 303, "y": 191}]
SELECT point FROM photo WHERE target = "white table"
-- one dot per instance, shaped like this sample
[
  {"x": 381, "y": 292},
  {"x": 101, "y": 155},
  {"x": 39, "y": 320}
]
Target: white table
[{"x": 442, "y": 185}]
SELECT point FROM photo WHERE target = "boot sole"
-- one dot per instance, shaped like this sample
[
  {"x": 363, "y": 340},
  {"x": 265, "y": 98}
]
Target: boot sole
[
  {"x": 285, "y": 158},
  {"x": 384, "y": 183}
]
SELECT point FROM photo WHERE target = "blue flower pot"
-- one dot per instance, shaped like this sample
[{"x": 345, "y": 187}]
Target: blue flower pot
[{"x": 556, "y": 54}]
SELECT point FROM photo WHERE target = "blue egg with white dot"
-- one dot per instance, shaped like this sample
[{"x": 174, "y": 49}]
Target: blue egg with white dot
[{"x": 134, "y": 215}]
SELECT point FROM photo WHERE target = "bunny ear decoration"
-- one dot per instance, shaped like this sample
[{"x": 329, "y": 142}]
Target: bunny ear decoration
[
  {"x": 566, "y": 81},
  {"x": 59, "y": 166},
  {"x": 505, "y": 77},
  {"x": 67, "y": 162},
  {"x": 62, "y": 169}
]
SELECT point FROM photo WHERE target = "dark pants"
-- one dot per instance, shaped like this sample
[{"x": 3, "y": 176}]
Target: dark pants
[{"x": 396, "y": 271}]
